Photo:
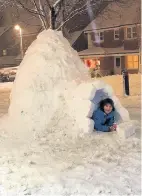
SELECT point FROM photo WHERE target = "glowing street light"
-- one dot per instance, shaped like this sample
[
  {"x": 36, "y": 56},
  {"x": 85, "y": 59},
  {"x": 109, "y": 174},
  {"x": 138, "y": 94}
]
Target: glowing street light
[{"x": 18, "y": 28}]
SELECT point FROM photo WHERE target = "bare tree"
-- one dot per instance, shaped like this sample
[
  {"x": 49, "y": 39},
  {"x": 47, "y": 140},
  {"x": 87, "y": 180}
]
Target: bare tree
[{"x": 57, "y": 14}]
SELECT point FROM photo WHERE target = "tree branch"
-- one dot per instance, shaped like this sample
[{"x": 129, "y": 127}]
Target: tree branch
[
  {"x": 50, "y": 7},
  {"x": 41, "y": 16},
  {"x": 27, "y": 9},
  {"x": 76, "y": 13},
  {"x": 57, "y": 3}
]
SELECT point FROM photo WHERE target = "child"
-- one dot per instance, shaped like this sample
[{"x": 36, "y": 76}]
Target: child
[{"x": 104, "y": 116}]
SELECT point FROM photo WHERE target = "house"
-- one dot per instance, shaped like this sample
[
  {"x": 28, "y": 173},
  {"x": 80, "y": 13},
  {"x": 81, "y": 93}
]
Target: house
[
  {"x": 114, "y": 38},
  {"x": 10, "y": 43},
  {"x": 7, "y": 61},
  {"x": 8, "y": 47},
  {"x": 7, "y": 41},
  {"x": 10, "y": 38}
]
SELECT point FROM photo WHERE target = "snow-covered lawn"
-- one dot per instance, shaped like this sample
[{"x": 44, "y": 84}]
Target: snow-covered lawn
[{"x": 56, "y": 164}]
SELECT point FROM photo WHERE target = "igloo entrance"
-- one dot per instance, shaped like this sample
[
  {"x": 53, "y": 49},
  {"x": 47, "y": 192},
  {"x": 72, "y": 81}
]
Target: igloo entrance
[
  {"x": 85, "y": 100},
  {"x": 100, "y": 95}
]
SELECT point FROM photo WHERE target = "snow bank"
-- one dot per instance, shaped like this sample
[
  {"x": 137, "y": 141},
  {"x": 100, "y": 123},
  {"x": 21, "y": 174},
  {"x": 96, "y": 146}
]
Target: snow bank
[
  {"x": 126, "y": 129},
  {"x": 6, "y": 85},
  {"x": 116, "y": 82}
]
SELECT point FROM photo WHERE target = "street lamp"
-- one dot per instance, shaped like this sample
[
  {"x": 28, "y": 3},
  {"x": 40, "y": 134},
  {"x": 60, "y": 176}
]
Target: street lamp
[{"x": 18, "y": 28}]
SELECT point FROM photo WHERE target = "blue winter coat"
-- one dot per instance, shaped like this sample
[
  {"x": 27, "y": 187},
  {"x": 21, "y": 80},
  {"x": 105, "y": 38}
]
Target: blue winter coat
[{"x": 103, "y": 121}]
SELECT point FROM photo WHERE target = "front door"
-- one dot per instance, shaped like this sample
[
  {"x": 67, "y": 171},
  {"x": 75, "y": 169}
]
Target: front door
[{"x": 117, "y": 65}]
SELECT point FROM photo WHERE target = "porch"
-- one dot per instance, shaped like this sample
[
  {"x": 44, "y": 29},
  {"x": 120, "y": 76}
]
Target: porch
[{"x": 111, "y": 60}]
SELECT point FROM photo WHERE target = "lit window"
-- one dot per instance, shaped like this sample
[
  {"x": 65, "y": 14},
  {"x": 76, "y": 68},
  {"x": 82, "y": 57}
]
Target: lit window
[
  {"x": 132, "y": 62},
  {"x": 131, "y": 32},
  {"x": 116, "y": 34},
  {"x": 4, "y": 52}
]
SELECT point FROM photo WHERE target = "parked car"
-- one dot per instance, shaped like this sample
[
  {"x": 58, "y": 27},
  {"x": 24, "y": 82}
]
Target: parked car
[
  {"x": 7, "y": 78},
  {"x": 11, "y": 78}
]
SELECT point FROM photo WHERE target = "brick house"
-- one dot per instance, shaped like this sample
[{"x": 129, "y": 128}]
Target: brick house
[{"x": 114, "y": 39}]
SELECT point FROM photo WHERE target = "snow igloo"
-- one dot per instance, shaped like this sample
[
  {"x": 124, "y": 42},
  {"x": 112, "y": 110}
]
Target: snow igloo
[
  {"x": 50, "y": 73},
  {"x": 85, "y": 100}
]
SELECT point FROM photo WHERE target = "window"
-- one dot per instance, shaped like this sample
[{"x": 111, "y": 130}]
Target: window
[
  {"x": 99, "y": 36},
  {"x": 132, "y": 62},
  {"x": 116, "y": 34},
  {"x": 131, "y": 32},
  {"x": 118, "y": 61},
  {"x": 4, "y": 52}
]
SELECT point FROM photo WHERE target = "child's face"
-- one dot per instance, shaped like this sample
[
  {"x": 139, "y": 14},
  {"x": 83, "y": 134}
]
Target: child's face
[{"x": 107, "y": 108}]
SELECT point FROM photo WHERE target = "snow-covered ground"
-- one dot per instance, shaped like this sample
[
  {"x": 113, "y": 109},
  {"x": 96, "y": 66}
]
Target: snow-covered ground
[
  {"x": 57, "y": 165},
  {"x": 54, "y": 160},
  {"x": 5, "y": 89}
]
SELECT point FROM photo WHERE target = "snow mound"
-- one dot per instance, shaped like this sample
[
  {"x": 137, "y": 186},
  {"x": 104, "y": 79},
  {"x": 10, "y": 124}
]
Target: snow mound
[
  {"x": 126, "y": 129},
  {"x": 48, "y": 65},
  {"x": 52, "y": 82}
]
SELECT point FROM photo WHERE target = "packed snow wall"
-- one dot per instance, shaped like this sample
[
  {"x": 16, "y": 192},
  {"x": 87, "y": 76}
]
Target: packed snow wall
[
  {"x": 52, "y": 77},
  {"x": 48, "y": 65}
]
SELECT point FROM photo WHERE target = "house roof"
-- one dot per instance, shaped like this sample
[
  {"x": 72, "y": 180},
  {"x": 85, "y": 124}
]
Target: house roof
[
  {"x": 98, "y": 51},
  {"x": 116, "y": 14}
]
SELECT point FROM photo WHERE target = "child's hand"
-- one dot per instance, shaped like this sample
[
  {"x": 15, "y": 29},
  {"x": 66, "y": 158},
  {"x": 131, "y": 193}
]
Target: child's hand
[
  {"x": 112, "y": 128},
  {"x": 115, "y": 126}
]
